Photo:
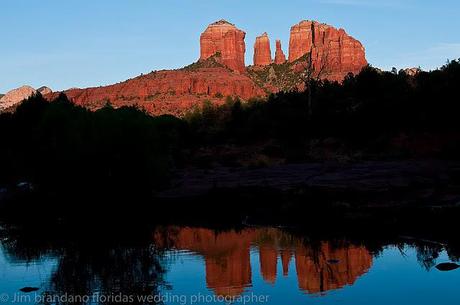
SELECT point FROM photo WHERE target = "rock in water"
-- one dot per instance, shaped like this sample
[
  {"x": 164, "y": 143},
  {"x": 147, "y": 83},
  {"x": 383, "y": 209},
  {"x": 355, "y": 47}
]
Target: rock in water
[
  {"x": 225, "y": 39},
  {"x": 280, "y": 58},
  {"x": 330, "y": 48},
  {"x": 29, "y": 289},
  {"x": 262, "y": 51},
  {"x": 16, "y": 96},
  {"x": 447, "y": 266}
]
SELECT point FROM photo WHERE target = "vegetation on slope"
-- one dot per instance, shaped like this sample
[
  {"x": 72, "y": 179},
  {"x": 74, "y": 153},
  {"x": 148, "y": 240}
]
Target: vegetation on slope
[{"x": 125, "y": 153}]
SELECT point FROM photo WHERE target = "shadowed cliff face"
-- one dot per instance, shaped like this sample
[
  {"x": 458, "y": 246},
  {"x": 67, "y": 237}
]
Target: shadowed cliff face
[{"x": 226, "y": 255}]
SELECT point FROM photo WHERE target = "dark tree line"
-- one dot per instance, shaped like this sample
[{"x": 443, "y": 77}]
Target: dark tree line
[
  {"x": 124, "y": 153},
  {"x": 107, "y": 157},
  {"x": 365, "y": 111}
]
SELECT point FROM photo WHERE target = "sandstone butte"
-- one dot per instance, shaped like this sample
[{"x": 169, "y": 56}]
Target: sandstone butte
[
  {"x": 223, "y": 37},
  {"x": 331, "y": 49},
  {"x": 280, "y": 58},
  {"x": 262, "y": 51},
  {"x": 228, "y": 260},
  {"x": 220, "y": 70}
]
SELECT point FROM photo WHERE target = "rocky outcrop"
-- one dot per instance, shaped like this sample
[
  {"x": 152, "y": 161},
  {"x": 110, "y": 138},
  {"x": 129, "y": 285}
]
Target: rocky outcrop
[
  {"x": 412, "y": 71},
  {"x": 221, "y": 71},
  {"x": 169, "y": 92},
  {"x": 332, "y": 51},
  {"x": 16, "y": 96},
  {"x": 13, "y": 98},
  {"x": 262, "y": 51},
  {"x": 225, "y": 39},
  {"x": 44, "y": 90},
  {"x": 280, "y": 58}
]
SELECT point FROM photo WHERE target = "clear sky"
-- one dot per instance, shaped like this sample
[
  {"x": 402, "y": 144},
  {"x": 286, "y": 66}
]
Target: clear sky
[{"x": 81, "y": 43}]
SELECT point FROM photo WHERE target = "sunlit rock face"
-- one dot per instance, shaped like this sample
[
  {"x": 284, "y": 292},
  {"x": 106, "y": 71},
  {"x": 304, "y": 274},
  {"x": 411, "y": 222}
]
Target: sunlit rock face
[
  {"x": 262, "y": 51},
  {"x": 44, "y": 90},
  {"x": 227, "y": 259},
  {"x": 331, "y": 49},
  {"x": 220, "y": 71},
  {"x": 225, "y": 39},
  {"x": 280, "y": 58},
  {"x": 168, "y": 92},
  {"x": 16, "y": 96},
  {"x": 412, "y": 71}
]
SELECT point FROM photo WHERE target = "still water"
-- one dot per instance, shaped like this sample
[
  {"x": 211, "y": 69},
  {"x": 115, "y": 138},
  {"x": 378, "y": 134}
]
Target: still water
[{"x": 183, "y": 265}]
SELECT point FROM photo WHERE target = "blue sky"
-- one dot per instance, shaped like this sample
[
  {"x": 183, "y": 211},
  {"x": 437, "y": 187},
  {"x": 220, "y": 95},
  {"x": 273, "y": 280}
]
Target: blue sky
[{"x": 81, "y": 43}]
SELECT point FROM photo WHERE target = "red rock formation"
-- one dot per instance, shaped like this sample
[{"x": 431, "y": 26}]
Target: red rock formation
[
  {"x": 280, "y": 58},
  {"x": 213, "y": 77},
  {"x": 227, "y": 40},
  {"x": 332, "y": 50},
  {"x": 262, "y": 51},
  {"x": 168, "y": 92},
  {"x": 16, "y": 96},
  {"x": 44, "y": 90},
  {"x": 412, "y": 71}
]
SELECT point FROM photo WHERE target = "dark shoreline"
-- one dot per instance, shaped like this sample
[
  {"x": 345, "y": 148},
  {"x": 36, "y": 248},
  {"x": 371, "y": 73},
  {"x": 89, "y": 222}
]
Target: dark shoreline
[{"x": 415, "y": 198}]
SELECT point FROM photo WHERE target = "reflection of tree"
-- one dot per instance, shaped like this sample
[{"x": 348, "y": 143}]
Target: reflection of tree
[
  {"x": 109, "y": 271},
  {"x": 88, "y": 268},
  {"x": 427, "y": 255}
]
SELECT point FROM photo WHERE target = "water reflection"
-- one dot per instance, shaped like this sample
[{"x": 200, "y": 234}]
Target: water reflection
[
  {"x": 185, "y": 261},
  {"x": 319, "y": 266},
  {"x": 85, "y": 267}
]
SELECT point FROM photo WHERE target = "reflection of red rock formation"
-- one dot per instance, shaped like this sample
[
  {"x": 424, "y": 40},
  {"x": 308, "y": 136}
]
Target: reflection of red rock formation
[
  {"x": 230, "y": 274},
  {"x": 268, "y": 257},
  {"x": 224, "y": 38},
  {"x": 280, "y": 58},
  {"x": 227, "y": 258},
  {"x": 286, "y": 256},
  {"x": 226, "y": 255},
  {"x": 262, "y": 51},
  {"x": 330, "y": 48},
  {"x": 330, "y": 268}
]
